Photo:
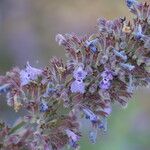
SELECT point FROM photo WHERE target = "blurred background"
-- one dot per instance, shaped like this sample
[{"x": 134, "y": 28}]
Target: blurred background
[{"x": 27, "y": 33}]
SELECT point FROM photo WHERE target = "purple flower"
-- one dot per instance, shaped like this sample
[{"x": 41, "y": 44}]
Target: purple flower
[
  {"x": 60, "y": 39},
  {"x": 92, "y": 45},
  {"x": 107, "y": 74},
  {"x": 43, "y": 106},
  {"x": 5, "y": 88},
  {"x": 130, "y": 3},
  {"x": 120, "y": 54},
  {"x": 49, "y": 90},
  {"x": 73, "y": 143},
  {"x": 138, "y": 33},
  {"x": 29, "y": 74},
  {"x": 77, "y": 87},
  {"x": 79, "y": 73},
  {"x": 103, "y": 124},
  {"x": 73, "y": 138},
  {"x": 24, "y": 77},
  {"x": 90, "y": 115},
  {"x": 107, "y": 110},
  {"x": 104, "y": 84},
  {"x": 127, "y": 66},
  {"x": 93, "y": 136},
  {"x": 47, "y": 146}
]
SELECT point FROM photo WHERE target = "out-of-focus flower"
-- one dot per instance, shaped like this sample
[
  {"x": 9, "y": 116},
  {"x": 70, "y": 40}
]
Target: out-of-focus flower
[
  {"x": 60, "y": 39},
  {"x": 120, "y": 54},
  {"x": 93, "y": 136},
  {"x": 77, "y": 87},
  {"x": 4, "y": 88},
  {"x": 127, "y": 66},
  {"x": 50, "y": 89},
  {"x": 29, "y": 74},
  {"x": 103, "y": 124},
  {"x": 13, "y": 139},
  {"x": 107, "y": 74},
  {"x": 104, "y": 59},
  {"x": 24, "y": 78},
  {"x": 130, "y": 3},
  {"x": 90, "y": 115},
  {"x": 47, "y": 147},
  {"x": 79, "y": 73},
  {"x": 107, "y": 110},
  {"x": 138, "y": 34},
  {"x": 43, "y": 106},
  {"x": 92, "y": 45},
  {"x": 73, "y": 138},
  {"x": 104, "y": 84}
]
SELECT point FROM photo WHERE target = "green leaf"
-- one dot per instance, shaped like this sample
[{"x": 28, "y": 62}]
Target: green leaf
[{"x": 17, "y": 127}]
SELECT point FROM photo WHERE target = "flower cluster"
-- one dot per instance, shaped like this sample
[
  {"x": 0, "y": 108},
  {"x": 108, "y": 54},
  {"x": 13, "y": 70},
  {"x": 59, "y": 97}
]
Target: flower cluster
[{"x": 101, "y": 69}]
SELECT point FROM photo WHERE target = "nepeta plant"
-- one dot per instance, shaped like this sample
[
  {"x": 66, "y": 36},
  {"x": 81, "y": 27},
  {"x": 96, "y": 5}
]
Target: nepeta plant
[{"x": 101, "y": 69}]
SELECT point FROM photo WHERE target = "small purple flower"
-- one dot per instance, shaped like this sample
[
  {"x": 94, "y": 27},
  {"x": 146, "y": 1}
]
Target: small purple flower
[
  {"x": 49, "y": 90},
  {"x": 5, "y": 88},
  {"x": 24, "y": 77},
  {"x": 103, "y": 124},
  {"x": 104, "y": 84},
  {"x": 120, "y": 54},
  {"x": 47, "y": 146},
  {"x": 60, "y": 39},
  {"x": 107, "y": 110},
  {"x": 93, "y": 136},
  {"x": 107, "y": 74},
  {"x": 79, "y": 73},
  {"x": 73, "y": 138},
  {"x": 43, "y": 106},
  {"x": 13, "y": 139},
  {"x": 92, "y": 45},
  {"x": 90, "y": 115},
  {"x": 127, "y": 66},
  {"x": 78, "y": 87},
  {"x": 138, "y": 33},
  {"x": 73, "y": 143},
  {"x": 130, "y": 3},
  {"x": 29, "y": 74}
]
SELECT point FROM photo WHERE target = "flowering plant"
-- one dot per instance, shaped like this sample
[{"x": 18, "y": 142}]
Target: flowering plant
[{"x": 101, "y": 69}]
